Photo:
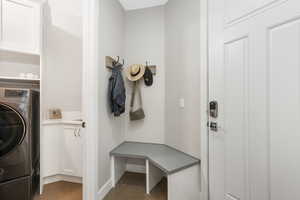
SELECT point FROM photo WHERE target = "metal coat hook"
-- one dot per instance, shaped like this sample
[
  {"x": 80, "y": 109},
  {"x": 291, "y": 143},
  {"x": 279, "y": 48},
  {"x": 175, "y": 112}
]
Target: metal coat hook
[
  {"x": 115, "y": 62},
  {"x": 110, "y": 62},
  {"x": 118, "y": 61}
]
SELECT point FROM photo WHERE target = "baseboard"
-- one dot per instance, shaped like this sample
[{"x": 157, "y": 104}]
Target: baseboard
[
  {"x": 105, "y": 189},
  {"x": 59, "y": 177}
]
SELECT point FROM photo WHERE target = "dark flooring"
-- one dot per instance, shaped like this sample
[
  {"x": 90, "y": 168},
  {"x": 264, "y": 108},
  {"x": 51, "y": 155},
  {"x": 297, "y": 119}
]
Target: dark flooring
[
  {"x": 132, "y": 186},
  {"x": 62, "y": 191}
]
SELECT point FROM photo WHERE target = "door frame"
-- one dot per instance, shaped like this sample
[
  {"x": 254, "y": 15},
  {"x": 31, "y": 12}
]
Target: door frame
[
  {"x": 90, "y": 98},
  {"x": 204, "y": 98}
]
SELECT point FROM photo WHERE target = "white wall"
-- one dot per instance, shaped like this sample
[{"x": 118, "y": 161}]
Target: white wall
[
  {"x": 171, "y": 42},
  {"x": 12, "y": 64},
  {"x": 182, "y": 20},
  {"x": 63, "y": 54},
  {"x": 111, "y": 133},
  {"x": 144, "y": 41}
]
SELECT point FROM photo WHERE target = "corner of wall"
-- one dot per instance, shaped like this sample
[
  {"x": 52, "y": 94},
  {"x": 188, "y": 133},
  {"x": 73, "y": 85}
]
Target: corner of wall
[
  {"x": 104, "y": 190},
  {"x": 111, "y": 44}
]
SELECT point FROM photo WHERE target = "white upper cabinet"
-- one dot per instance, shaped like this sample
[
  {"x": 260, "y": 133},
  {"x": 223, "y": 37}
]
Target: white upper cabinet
[{"x": 20, "y": 26}]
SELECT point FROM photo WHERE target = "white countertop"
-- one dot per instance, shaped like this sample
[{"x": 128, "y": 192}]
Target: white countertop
[{"x": 61, "y": 122}]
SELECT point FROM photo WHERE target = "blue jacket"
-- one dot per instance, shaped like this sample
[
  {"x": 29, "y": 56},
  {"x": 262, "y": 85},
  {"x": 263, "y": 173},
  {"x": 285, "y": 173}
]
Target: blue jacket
[{"x": 117, "y": 91}]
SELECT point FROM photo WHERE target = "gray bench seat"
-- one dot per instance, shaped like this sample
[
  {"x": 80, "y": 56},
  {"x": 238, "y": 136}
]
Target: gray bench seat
[{"x": 162, "y": 156}]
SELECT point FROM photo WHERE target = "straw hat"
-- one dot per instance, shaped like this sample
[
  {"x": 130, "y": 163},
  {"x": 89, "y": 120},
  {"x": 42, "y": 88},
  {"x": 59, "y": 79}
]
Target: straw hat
[{"x": 135, "y": 72}]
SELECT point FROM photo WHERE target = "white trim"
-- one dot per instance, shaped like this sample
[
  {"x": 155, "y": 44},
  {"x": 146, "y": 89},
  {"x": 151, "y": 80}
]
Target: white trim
[
  {"x": 43, "y": 66},
  {"x": 204, "y": 99},
  {"x": 113, "y": 171},
  {"x": 90, "y": 98},
  {"x": 60, "y": 177},
  {"x": 19, "y": 79},
  {"x": 106, "y": 188},
  {"x": 147, "y": 178}
]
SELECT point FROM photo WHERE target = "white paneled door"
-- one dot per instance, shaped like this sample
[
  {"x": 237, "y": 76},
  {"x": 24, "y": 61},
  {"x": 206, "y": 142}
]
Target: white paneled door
[{"x": 254, "y": 57}]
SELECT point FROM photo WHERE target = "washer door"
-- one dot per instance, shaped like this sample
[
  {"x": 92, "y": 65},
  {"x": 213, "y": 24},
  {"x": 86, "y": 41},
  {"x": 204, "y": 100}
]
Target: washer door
[{"x": 12, "y": 129}]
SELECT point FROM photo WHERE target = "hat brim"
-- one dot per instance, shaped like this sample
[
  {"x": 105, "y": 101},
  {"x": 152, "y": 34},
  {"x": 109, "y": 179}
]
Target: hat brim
[{"x": 136, "y": 77}]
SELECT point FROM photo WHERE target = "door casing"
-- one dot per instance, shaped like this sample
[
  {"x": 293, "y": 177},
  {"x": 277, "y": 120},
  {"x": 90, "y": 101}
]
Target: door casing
[
  {"x": 90, "y": 11},
  {"x": 90, "y": 64},
  {"x": 204, "y": 134}
]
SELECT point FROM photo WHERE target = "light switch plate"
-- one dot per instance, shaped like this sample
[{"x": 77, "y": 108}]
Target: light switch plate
[{"x": 181, "y": 103}]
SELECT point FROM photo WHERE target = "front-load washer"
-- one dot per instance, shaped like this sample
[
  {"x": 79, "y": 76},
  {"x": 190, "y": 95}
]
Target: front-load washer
[{"x": 19, "y": 141}]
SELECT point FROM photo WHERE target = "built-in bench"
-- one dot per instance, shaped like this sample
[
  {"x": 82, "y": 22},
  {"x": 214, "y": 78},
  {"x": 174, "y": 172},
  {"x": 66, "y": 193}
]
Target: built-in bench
[{"x": 181, "y": 169}]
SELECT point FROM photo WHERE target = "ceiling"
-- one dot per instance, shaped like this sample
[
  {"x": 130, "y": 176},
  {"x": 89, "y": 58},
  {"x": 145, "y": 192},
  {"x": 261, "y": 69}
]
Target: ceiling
[{"x": 138, "y": 4}]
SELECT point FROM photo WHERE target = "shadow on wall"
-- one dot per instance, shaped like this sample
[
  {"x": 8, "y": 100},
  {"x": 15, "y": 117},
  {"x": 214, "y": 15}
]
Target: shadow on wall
[{"x": 63, "y": 60}]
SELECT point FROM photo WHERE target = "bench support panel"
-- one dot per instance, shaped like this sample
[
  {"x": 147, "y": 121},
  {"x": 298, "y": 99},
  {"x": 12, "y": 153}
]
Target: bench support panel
[
  {"x": 118, "y": 168},
  {"x": 185, "y": 184},
  {"x": 153, "y": 176}
]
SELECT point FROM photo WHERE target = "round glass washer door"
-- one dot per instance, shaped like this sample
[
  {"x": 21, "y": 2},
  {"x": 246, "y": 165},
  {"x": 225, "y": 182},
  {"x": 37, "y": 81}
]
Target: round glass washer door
[{"x": 12, "y": 129}]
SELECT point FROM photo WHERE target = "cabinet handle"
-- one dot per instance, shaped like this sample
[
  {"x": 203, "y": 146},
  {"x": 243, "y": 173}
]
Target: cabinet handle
[
  {"x": 75, "y": 130},
  {"x": 78, "y": 132}
]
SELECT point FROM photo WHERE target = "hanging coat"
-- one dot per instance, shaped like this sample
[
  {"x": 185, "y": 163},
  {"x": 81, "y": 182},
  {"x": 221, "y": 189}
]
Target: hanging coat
[{"x": 116, "y": 91}]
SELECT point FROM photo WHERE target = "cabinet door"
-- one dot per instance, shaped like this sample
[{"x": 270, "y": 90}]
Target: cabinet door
[
  {"x": 51, "y": 150},
  {"x": 72, "y": 152},
  {"x": 20, "y": 27}
]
